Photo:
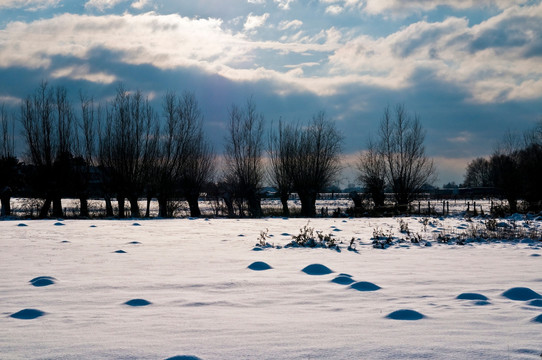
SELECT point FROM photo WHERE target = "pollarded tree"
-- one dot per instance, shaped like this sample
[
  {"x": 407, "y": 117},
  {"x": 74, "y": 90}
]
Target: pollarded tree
[
  {"x": 128, "y": 147},
  {"x": 280, "y": 156},
  {"x": 243, "y": 154},
  {"x": 408, "y": 169},
  {"x": 313, "y": 158},
  {"x": 185, "y": 160},
  {"x": 372, "y": 173},
  {"x": 48, "y": 127}
]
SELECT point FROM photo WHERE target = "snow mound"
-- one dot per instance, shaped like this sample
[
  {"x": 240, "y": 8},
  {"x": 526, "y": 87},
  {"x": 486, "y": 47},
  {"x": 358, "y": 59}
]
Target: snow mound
[
  {"x": 184, "y": 357},
  {"x": 342, "y": 280},
  {"x": 365, "y": 286},
  {"x": 405, "y": 314},
  {"x": 537, "y": 319},
  {"x": 120, "y": 252},
  {"x": 471, "y": 296},
  {"x": 537, "y": 302},
  {"x": 137, "y": 302},
  {"x": 259, "y": 266},
  {"x": 42, "y": 281},
  {"x": 521, "y": 294},
  {"x": 317, "y": 269},
  {"x": 27, "y": 314}
]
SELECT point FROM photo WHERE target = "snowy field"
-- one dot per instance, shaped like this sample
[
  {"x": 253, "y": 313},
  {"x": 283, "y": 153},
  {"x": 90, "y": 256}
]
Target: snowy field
[{"x": 189, "y": 289}]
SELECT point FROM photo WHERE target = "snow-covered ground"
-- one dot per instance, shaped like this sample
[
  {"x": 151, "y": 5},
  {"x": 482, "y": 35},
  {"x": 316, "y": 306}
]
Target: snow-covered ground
[{"x": 200, "y": 293}]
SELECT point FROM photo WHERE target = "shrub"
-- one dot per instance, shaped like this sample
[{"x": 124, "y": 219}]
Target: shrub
[{"x": 308, "y": 237}]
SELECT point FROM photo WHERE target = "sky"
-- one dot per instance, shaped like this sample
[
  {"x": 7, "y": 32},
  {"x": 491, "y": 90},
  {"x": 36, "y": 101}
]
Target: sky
[{"x": 471, "y": 70}]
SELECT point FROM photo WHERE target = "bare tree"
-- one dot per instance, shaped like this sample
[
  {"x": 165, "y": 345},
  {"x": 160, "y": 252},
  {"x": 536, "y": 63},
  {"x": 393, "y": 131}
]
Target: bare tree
[
  {"x": 372, "y": 173},
  {"x": 478, "y": 173},
  {"x": 506, "y": 176},
  {"x": 47, "y": 118},
  {"x": 8, "y": 161},
  {"x": 280, "y": 156},
  {"x": 315, "y": 159},
  {"x": 86, "y": 151},
  {"x": 408, "y": 169},
  {"x": 185, "y": 158},
  {"x": 243, "y": 154},
  {"x": 128, "y": 143}
]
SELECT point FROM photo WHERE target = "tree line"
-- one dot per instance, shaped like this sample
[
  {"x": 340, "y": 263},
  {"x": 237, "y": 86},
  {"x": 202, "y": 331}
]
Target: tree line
[
  {"x": 124, "y": 150},
  {"x": 514, "y": 170}
]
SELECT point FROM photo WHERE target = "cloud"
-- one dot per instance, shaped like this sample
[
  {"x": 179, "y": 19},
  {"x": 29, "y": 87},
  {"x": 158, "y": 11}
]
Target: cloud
[
  {"x": 468, "y": 58},
  {"x": 287, "y": 25},
  {"x": 83, "y": 73},
  {"x": 491, "y": 60},
  {"x": 462, "y": 137},
  {"x": 334, "y": 9},
  {"x": 255, "y": 21},
  {"x": 402, "y": 8},
  {"x": 30, "y": 5},
  {"x": 283, "y": 4},
  {"x": 102, "y": 5},
  {"x": 258, "y": 2},
  {"x": 139, "y": 4}
]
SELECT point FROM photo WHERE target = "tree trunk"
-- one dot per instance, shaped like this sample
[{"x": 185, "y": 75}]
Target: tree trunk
[
  {"x": 120, "y": 200},
  {"x": 513, "y": 203},
  {"x": 308, "y": 204},
  {"x": 108, "y": 206},
  {"x": 57, "y": 207},
  {"x": 255, "y": 205},
  {"x": 193, "y": 204},
  {"x": 162, "y": 207},
  {"x": 44, "y": 211},
  {"x": 148, "y": 209},
  {"x": 134, "y": 207},
  {"x": 284, "y": 200},
  {"x": 84, "y": 207},
  {"x": 6, "y": 206},
  {"x": 229, "y": 203}
]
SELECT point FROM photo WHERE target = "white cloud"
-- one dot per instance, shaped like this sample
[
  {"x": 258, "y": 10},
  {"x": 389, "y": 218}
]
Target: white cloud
[
  {"x": 255, "y": 21},
  {"x": 334, "y": 9},
  {"x": 283, "y": 4},
  {"x": 30, "y": 5},
  {"x": 102, "y": 4},
  {"x": 12, "y": 100},
  {"x": 450, "y": 51},
  {"x": 139, "y": 4},
  {"x": 287, "y": 25},
  {"x": 83, "y": 73},
  {"x": 468, "y": 57},
  {"x": 401, "y": 7},
  {"x": 258, "y": 2}
]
